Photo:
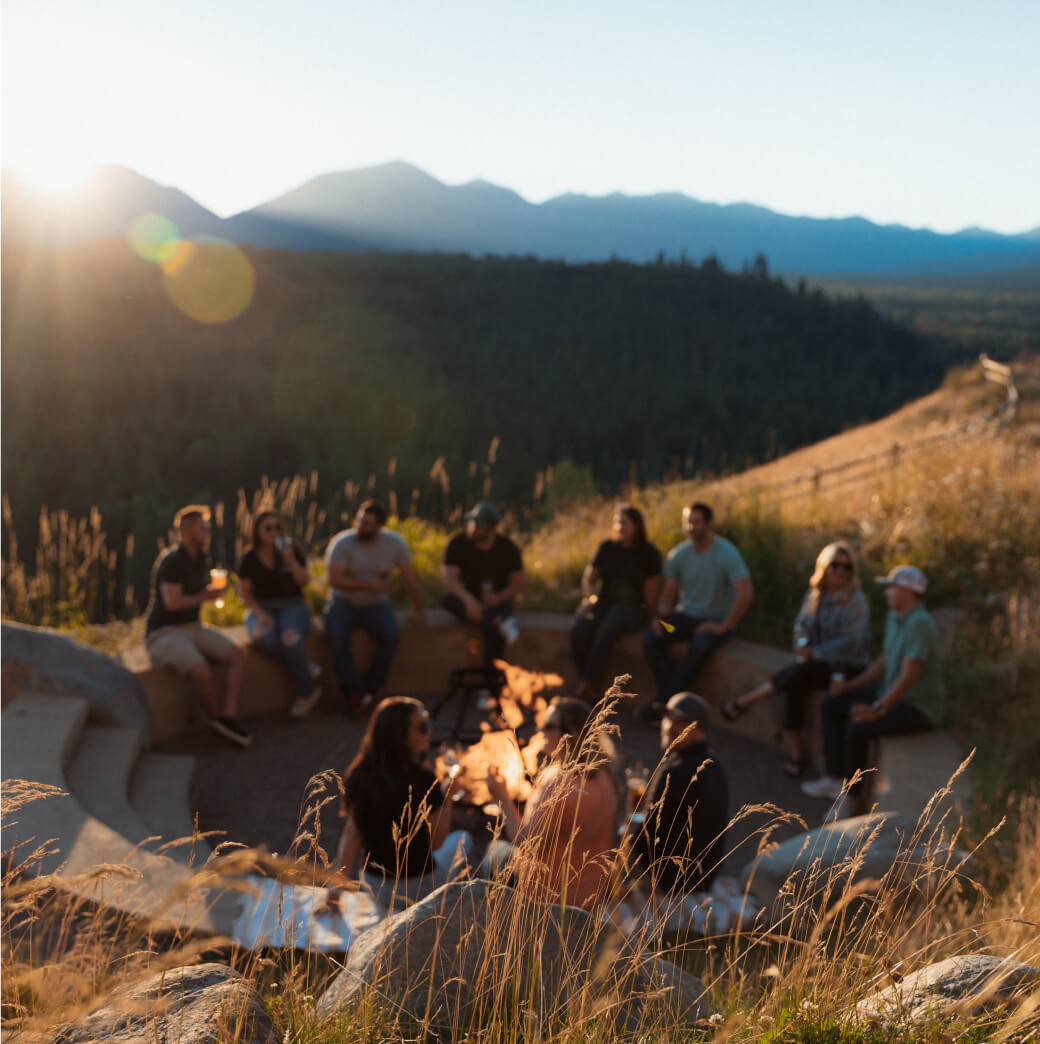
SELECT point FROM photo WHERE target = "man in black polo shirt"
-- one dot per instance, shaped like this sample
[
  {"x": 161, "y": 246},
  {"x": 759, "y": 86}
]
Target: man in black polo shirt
[
  {"x": 682, "y": 840},
  {"x": 175, "y": 635},
  {"x": 483, "y": 573}
]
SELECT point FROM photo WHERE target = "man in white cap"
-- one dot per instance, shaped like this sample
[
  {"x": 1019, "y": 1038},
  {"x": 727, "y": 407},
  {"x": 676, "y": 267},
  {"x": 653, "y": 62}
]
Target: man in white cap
[
  {"x": 682, "y": 841},
  {"x": 911, "y": 697}
]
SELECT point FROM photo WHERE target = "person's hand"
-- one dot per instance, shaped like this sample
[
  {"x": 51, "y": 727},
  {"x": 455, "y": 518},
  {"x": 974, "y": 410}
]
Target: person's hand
[
  {"x": 803, "y": 653},
  {"x": 710, "y": 627},
  {"x": 379, "y": 584},
  {"x": 496, "y": 784},
  {"x": 331, "y": 904},
  {"x": 211, "y": 593},
  {"x": 417, "y": 617},
  {"x": 474, "y": 610},
  {"x": 264, "y": 622},
  {"x": 837, "y": 686},
  {"x": 491, "y": 599},
  {"x": 659, "y": 628},
  {"x": 861, "y": 713}
]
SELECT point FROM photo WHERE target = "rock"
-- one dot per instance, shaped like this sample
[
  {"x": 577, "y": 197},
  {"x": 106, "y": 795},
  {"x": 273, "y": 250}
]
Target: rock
[
  {"x": 475, "y": 954},
  {"x": 961, "y": 985},
  {"x": 38, "y": 659},
  {"x": 206, "y": 1003},
  {"x": 812, "y": 869}
]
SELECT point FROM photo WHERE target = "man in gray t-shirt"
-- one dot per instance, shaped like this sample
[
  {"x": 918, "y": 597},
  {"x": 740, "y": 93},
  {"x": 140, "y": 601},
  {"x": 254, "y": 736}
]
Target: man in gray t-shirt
[
  {"x": 358, "y": 565},
  {"x": 705, "y": 593}
]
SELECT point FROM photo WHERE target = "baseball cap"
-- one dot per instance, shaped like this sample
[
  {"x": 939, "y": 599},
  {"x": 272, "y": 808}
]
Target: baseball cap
[
  {"x": 484, "y": 514},
  {"x": 909, "y": 577},
  {"x": 690, "y": 707}
]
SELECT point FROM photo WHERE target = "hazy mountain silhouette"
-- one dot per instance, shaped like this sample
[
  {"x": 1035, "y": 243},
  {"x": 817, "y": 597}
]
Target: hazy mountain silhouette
[{"x": 397, "y": 207}]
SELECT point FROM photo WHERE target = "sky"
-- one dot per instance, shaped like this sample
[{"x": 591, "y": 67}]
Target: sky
[{"x": 917, "y": 112}]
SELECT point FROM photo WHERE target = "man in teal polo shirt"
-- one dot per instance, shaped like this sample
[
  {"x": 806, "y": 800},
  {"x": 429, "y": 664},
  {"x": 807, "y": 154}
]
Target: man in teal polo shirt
[
  {"x": 706, "y": 591},
  {"x": 911, "y": 697}
]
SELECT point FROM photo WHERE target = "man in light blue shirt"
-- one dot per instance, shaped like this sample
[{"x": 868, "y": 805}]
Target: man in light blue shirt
[{"x": 706, "y": 592}]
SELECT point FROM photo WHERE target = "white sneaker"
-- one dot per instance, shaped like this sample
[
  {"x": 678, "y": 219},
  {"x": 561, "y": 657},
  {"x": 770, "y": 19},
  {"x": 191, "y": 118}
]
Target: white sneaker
[
  {"x": 509, "y": 629},
  {"x": 485, "y": 700},
  {"x": 303, "y": 705},
  {"x": 826, "y": 787}
]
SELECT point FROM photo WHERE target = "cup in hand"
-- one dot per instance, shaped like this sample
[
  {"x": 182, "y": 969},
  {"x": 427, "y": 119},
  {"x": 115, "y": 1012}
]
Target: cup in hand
[{"x": 218, "y": 580}]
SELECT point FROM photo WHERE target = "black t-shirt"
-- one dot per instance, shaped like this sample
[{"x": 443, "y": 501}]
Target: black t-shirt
[
  {"x": 379, "y": 801},
  {"x": 176, "y": 566},
  {"x": 496, "y": 564},
  {"x": 624, "y": 570},
  {"x": 271, "y": 583},
  {"x": 683, "y": 838}
]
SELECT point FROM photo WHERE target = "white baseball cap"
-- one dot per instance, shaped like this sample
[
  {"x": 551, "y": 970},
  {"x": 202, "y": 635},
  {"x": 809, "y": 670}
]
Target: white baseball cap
[{"x": 906, "y": 576}]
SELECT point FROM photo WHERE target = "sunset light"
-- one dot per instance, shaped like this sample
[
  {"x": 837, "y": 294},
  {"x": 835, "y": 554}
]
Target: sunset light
[{"x": 56, "y": 174}]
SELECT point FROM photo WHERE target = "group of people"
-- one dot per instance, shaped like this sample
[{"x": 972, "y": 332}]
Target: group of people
[{"x": 696, "y": 595}]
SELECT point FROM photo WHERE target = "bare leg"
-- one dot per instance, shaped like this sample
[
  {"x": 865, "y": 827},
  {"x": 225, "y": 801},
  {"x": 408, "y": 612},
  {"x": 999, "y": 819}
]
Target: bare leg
[
  {"x": 755, "y": 695},
  {"x": 794, "y": 743},
  {"x": 202, "y": 678},
  {"x": 236, "y": 666}
]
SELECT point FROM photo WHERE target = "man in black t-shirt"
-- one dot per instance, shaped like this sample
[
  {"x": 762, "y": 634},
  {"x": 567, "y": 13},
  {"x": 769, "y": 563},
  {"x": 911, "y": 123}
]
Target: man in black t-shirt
[
  {"x": 682, "y": 841},
  {"x": 177, "y": 638},
  {"x": 483, "y": 574}
]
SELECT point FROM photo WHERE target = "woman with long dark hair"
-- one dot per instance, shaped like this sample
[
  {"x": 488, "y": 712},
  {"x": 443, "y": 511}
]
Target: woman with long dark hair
[
  {"x": 831, "y": 636},
  {"x": 271, "y": 578},
  {"x": 560, "y": 848},
  {"x": 627, "y": 571},
  {"x": 396, "y": 810}
]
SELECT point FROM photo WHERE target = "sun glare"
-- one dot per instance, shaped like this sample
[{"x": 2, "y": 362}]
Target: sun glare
[{"x": 56, "y": 175}]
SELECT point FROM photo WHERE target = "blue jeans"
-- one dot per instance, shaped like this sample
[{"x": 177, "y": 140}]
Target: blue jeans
[
  {"x": 672, "y": 678},
  {"x": 846, "y": 743},
  {"x": 341, "y": 620},
  {"x": 279, "y": 642},
  {"x": 491, "y": 639}
]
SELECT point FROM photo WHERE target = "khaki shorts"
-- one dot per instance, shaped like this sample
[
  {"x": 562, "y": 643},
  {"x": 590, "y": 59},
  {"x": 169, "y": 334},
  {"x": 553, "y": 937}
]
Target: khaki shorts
[{"x": 185, "y": 646}]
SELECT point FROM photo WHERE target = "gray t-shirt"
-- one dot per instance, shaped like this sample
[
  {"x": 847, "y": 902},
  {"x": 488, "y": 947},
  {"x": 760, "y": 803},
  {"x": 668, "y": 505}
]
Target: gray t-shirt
[
  {"x": 705, "y": 578},
  {"x": 366, "y": 560}
]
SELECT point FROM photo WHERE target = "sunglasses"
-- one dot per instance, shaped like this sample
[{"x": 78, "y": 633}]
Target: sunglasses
[
  {"x": 271, "y": 527},
  {"x": 847, "y": 566},
  {"x": 552, "y": 726}
]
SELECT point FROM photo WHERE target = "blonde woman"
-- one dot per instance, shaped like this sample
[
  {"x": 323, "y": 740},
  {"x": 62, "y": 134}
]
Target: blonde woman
[{"x": 831, "y": 635}]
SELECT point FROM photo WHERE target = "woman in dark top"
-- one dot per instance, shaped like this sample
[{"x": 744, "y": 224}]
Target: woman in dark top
[
  {"x": 628, "y": 572},
  {"x": 388, "y": 791},
  {"x": 271, "y": 578}
]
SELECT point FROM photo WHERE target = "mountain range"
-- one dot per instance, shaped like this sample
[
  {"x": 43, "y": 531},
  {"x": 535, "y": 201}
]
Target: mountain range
[{"x": 397, "y": 207}]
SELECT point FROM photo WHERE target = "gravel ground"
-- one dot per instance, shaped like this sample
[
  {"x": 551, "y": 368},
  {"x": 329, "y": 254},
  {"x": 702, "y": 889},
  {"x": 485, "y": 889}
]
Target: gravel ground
[{"x": 257, "y": 796}]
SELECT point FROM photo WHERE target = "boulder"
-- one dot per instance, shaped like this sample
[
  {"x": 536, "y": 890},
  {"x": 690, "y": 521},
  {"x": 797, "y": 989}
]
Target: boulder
[
  {"x": 812, "y": 869},
  {"x": 207, "y": 1003},
  {"x": 962, "y": 985},
  {"x": 476, "y": 955},
  {"x": 38, "y": 659}
]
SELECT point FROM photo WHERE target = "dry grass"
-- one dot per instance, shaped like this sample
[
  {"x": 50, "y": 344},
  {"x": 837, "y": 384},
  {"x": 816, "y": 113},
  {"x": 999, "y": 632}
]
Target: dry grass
[{"x": 789, "y": 974}]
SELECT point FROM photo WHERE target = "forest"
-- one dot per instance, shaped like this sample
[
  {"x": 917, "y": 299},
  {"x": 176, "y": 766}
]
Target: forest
[{"x": 429, "y": 379}]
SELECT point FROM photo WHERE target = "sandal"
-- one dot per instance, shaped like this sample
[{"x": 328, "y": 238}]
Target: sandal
[
  {"x": 794, "y": 767},
  {"x": 732, "y": 711}
]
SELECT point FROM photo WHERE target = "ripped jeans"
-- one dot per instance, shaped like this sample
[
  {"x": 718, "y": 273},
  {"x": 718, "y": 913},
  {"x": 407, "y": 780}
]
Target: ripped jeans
[{"x": 284, "y": 641}]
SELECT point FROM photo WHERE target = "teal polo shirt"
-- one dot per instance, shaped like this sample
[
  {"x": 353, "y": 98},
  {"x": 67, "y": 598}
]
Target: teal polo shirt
[{"x": 914, "y": 636}]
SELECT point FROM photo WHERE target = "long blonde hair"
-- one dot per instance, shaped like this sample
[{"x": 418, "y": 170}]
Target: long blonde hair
[{"x": 823, "y": 560}]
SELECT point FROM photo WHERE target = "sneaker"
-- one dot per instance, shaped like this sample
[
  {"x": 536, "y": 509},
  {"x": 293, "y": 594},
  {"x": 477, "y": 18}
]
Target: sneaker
[
  {"x": 486, "y": 700},
  {"x": 303, "y": 705},
  {"x": 361, "y": 705},
  {"x": 822, "y": 788},
  {"x": 509, "y": 629},
  {"x": 230, "y": 729}
]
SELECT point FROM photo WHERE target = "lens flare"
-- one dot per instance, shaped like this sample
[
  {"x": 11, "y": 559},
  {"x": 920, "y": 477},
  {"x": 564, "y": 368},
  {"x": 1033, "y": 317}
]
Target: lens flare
[
  {"x": 208, "y": 279},
  {"x": 153, "y": 237}
]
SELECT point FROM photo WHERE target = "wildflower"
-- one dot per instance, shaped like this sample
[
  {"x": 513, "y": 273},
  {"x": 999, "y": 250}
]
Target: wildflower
[{"x": 715, "y": 1019}]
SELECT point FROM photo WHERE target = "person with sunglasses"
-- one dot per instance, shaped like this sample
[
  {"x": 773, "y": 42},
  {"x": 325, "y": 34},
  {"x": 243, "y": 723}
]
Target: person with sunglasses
[
  {"x": 396, "y": 809},
  {"x": 271, "y": 577},
  {"x": 561, "y": 848},
  {"x": 831, "y": 637}
]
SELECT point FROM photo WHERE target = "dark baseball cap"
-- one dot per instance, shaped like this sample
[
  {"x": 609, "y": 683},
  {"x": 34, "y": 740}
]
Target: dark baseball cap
[
  {"x": 484, "y": 514},
  {"x": 689, "y": 707}
]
